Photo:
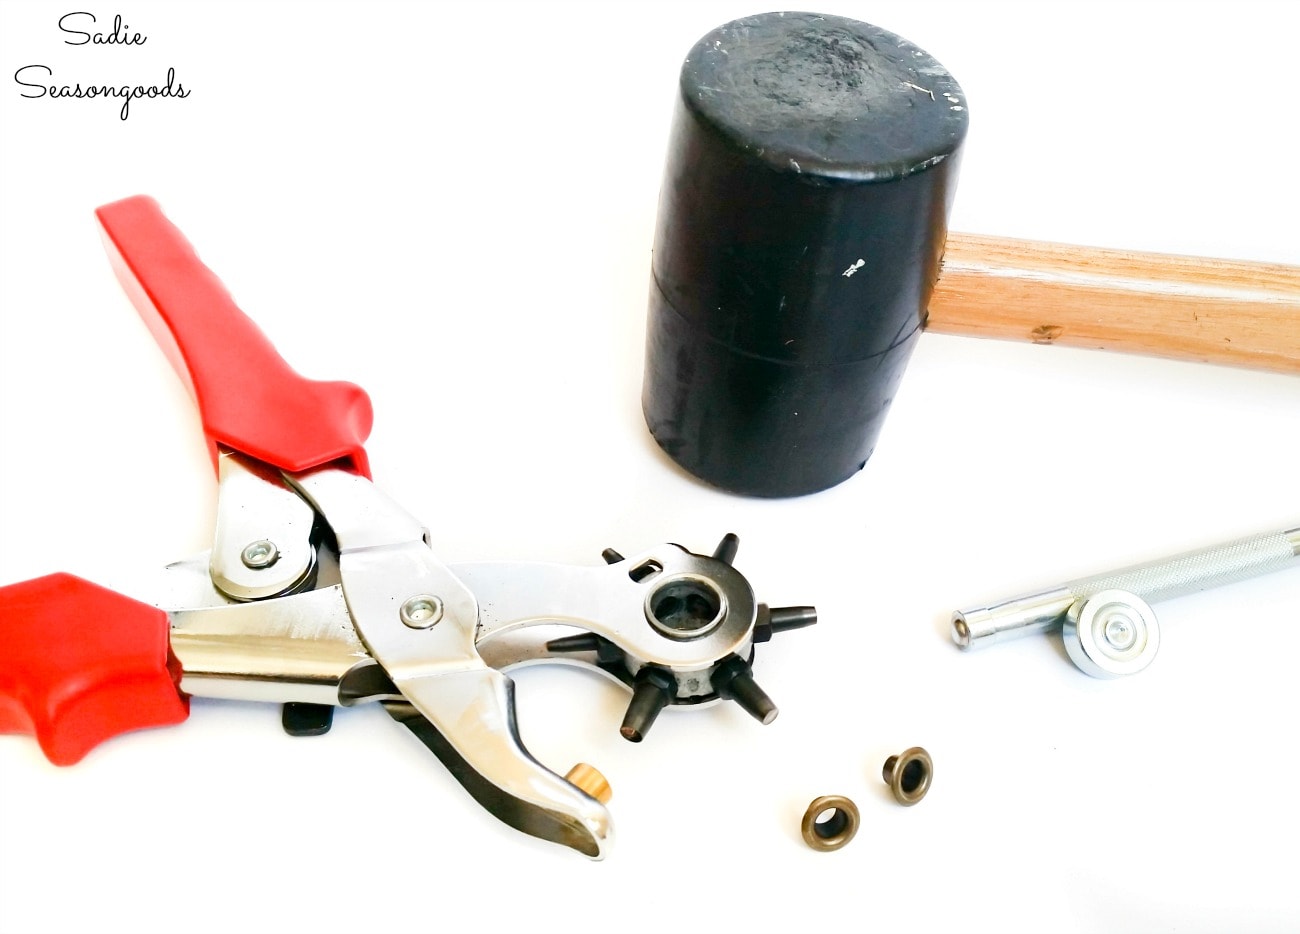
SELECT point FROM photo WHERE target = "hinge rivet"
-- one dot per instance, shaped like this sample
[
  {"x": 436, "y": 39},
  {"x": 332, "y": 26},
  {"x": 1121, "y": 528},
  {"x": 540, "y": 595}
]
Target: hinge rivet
[{"x": 422, "y": 611}]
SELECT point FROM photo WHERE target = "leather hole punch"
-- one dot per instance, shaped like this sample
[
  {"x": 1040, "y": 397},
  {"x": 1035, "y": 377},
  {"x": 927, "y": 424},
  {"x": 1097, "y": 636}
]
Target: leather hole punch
[{"x": 321, "y": 592}]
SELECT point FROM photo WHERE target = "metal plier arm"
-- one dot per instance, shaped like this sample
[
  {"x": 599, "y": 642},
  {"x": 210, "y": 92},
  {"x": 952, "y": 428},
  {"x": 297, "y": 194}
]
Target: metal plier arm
[{"x": 320, "y": 590}]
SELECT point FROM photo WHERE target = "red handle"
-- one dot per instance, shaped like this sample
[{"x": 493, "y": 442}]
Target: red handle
[
  {"x": 250, "y": 400},
  {"x": 80, "y": 664}
]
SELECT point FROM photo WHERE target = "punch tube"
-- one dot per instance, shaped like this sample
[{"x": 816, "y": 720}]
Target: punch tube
[{"x": 1158, "y": 580}]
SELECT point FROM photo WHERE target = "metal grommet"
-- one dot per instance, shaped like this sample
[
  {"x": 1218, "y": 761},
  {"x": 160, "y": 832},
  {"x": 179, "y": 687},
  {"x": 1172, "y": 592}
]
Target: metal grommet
[
  {"x": 1111, "y": 634},
  {"x": 908, "y": 775},
  {"x": 839, "y": 822}
]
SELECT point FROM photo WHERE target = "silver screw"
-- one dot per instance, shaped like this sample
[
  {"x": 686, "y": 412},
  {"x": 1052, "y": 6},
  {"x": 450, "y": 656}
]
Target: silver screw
[
  {"x": 422, "y": 611},
  {"x": 260, "y": 554}
]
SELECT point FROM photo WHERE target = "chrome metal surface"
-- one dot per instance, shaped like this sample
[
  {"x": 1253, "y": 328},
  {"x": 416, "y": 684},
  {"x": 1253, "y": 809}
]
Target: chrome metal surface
[
  {"x": 612, "y": 602},
  {"x": 458, "y": 706},
  {"x": 187, "y": 584},
  {"x": 586, "y": 829},
  {"x": 525, "y": 646},
  {"x": 1111, "y": 634},
  {"x": 1036, "y": 612},
  {"x": 299, "y": 648},
  {"x": 1151, "y": 581},
  {"x": 255, "y": 508}
]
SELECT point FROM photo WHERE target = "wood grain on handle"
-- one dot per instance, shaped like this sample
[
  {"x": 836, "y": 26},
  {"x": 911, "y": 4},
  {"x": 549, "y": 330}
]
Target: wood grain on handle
[{"x": 1190, "y": 308}]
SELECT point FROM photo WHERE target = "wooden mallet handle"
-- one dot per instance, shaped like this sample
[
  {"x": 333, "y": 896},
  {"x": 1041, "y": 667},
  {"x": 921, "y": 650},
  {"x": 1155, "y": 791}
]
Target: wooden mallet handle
[{"x": 1189, "y": 308}]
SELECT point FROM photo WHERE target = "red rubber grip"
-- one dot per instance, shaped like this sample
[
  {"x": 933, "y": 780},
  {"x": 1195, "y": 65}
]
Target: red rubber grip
[
  {"x": 250, "y": 400},
  {"x": 80, "y": 664}
]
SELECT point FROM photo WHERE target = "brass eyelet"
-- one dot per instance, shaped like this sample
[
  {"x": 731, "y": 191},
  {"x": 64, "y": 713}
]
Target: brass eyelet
[
  {"x": 839, "y": 822},
  {"x": 908, "y": 775}
]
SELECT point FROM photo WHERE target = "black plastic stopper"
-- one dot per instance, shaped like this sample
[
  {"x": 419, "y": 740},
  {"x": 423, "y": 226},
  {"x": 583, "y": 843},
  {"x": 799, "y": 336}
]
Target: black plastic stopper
[{"x": 801, "y": 223}]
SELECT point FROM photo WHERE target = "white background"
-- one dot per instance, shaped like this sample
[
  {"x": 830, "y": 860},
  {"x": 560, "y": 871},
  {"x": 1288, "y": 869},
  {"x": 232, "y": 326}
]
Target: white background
[{"x": 452, "y": 205}]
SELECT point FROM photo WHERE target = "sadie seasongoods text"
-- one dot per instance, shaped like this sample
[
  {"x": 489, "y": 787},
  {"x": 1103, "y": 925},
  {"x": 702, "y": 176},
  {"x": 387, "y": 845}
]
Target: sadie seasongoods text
[{"x": 38, "y": 81}]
